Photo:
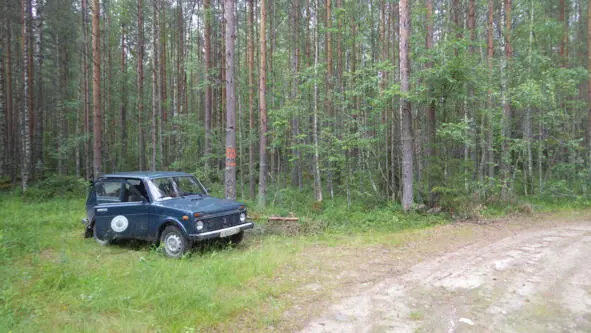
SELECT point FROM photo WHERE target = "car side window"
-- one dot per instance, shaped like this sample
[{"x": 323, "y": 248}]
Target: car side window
[
  {"x": 135, "y": 190},
  {"x": 165, "y": 187},
  {"x": 108, "y": 191}
]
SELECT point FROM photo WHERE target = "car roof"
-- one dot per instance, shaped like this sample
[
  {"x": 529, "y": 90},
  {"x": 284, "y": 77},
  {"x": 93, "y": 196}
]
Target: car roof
[{"x": 145, "y": 174}]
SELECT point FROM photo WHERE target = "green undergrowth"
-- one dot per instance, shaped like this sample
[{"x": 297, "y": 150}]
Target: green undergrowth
[
  {"x": 534, "y": 204},
  {"x": 337, "y": 216},
  {"x": 53, "y": 279}
]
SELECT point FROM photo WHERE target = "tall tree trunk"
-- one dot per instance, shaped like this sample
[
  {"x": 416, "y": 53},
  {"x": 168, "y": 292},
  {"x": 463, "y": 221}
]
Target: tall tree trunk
[
  {"x": 60, "y": 113},
  {"x": 431, "y": 119},
  {"x": 155, "y": 82},
  {"x": 124, "y": 97},
  {"x": 161, "y": 156},
  {"x": 527, "y": 122},
  {"x": 140, "y": 85},
  {"x": 96, "y": 89},
  {"x": 471, "y": 112},
  {"x": 39, "y": 114},
  {"x": 506, "y": 119},
  {"x": 490, "y": 158},
  {"x": 222, "y": 76},
  {"x": 317, "y": 179},
  {"x": 108, "y": 112},
  {"x": 263, "y": 106},
  {"x": 296, "y": 170},
  {"x": 251, "y": 128},
  {"x": 230, "y": 179},
  {"x": 208, "y": 90},
  {"x": 10, "y": 112},
  {"x": 86, "y": 88},
  {"x": 588, "y": 83},
  {"x": 329, "y": 86},
  {"x": 4, "y": 148},
  {"x": 563, "y": 42},
  {"x": 28, "y": 66},
  {"x": 181, "y": 81},
  {"x": 405, "y": 112},
  {"x": 24, "y": 118}
]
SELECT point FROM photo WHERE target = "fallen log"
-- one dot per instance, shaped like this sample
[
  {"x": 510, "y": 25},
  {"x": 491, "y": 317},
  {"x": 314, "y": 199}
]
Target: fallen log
[{"x": 280, "y": 218}]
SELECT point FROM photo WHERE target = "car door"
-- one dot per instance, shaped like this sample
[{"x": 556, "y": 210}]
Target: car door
[{"x": 115, "y": 215}]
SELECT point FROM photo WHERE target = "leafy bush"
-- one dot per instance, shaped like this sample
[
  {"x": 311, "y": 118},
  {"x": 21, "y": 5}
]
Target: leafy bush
[
  {"x": 6, "y": 184},
  {"x": 57, "y": 187}
]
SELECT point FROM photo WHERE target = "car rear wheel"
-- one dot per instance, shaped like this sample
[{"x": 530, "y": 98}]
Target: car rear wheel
[
  {"x": 104, "y": 242},
  {"x": 173, "y": 241}
]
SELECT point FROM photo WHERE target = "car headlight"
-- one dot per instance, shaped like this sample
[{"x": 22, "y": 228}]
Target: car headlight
[
  {"x": 199, "y": 225},
  {"x": 243, "y": 217}
]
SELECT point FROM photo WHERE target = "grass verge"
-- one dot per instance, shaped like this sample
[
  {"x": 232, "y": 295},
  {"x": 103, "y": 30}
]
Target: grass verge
[{"x": 55, "y": 280}]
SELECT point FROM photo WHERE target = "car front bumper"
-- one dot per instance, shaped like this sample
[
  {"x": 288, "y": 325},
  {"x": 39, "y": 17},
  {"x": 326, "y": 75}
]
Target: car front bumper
[{"x": 222, "y": 233}]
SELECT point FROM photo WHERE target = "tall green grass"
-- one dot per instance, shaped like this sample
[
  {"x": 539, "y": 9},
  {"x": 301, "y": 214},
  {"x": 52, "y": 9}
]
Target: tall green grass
[{"x": 53, "y": 279}]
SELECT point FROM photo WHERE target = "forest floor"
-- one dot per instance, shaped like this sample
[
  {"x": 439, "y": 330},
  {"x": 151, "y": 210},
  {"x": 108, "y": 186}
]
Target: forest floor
[
  {"x": 514, "y": 274},
  {"x": 526, "y": 274}
]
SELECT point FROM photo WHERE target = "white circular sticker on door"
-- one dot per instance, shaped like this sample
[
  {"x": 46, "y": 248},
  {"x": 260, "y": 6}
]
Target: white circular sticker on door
[{"x": 119, "y": 223}]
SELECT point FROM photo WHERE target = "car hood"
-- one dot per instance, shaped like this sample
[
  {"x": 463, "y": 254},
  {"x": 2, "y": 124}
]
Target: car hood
[{"x": 204, "y": 205}]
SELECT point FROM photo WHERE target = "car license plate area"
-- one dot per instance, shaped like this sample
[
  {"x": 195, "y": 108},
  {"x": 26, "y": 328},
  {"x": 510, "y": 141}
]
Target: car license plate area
[{"x": 229, "y": 232}]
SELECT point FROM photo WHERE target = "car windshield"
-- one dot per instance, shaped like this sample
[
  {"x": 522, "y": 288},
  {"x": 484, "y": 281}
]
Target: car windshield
[{"x": 172, "y": 187}]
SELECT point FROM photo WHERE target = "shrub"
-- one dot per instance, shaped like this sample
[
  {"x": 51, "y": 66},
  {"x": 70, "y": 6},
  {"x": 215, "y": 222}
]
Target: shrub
[{"x": 56, "y": 187}]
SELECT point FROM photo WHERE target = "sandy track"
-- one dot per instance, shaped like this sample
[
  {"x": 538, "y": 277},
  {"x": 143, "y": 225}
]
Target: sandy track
[{"x": 532, "y": 281}]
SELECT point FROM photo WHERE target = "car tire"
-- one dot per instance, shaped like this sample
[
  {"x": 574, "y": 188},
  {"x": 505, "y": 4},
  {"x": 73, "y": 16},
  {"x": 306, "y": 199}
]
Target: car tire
[
  {"x": 88, "y": 232},
  {"x": 236, "y": 239},
  {"x": 174, "y": 243},
  {"x": 103, "y": 242}
]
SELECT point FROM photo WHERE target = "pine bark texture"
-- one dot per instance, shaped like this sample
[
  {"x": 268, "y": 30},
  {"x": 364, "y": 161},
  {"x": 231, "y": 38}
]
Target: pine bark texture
[
  {"x": 262, "y": 106},
  {"x": 251, "y": 116},
  {"x": 86, "y": 88},
  {"x": 25, "y": 115},
  {"x": 124, "y": 100},
  {"x": 3, "y": 113},
  {"x": 589, "y": 81},
  {"x": 155, "y": 82},
  {"x": 506, "y": 97},
  {"x": 96, "y": 89},
  {"x": 405, "y": 112},
  {"x": 563, "y": 52},
  {"x": 431, "y": 117},
  {"x": 490, "y": 53},
  {"x": 140, "y": 85},
  {"x": 315, "y": 125},
  {"x": 230, "y": 179},
  {"x": 12, "y": 164},
  {"x": 208, "y": 90}
]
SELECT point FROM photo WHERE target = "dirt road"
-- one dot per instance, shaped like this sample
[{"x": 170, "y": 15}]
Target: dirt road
[{"x": 531, "y": 279}]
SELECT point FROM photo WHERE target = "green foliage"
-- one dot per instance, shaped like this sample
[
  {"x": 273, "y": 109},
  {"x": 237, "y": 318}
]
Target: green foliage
[
  {"x": 67, "y": 187},
  {"x": 364, "y": 213},
  {"x": 54, "y": 279}
]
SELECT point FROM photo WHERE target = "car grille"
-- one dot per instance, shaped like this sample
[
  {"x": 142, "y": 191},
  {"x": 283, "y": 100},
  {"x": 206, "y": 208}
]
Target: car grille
[{"x": 221, "y": 222}]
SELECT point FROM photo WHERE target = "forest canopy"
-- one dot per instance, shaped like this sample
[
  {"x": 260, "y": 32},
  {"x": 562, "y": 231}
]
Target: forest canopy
[{"x": 413, "y": 102}]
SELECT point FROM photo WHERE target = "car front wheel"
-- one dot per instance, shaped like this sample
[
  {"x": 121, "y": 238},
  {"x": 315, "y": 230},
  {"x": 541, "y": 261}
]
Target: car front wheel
[
  {"x": 105, "y": 241},
  {"x": 174, "y": 242}
]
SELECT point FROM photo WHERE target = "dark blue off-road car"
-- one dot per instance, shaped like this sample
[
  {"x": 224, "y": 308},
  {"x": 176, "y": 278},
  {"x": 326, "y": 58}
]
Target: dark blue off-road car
[{"x": 171, "y": 207}]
